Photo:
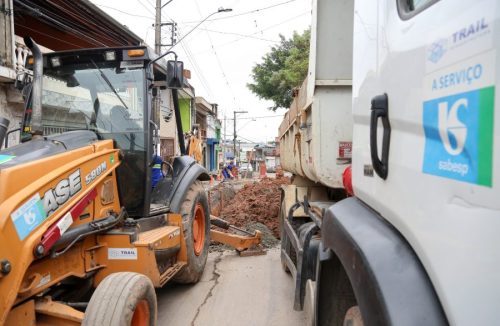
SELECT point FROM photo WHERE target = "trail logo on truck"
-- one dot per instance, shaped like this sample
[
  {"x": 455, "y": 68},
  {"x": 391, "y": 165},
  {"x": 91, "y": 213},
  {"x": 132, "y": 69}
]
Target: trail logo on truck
[
  {"x": 122, "y": 253},
  {"x": 459, "y": 136}
]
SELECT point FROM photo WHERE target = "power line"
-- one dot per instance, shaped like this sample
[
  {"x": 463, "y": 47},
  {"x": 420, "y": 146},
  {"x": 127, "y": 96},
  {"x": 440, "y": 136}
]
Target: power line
[
  {"x": 218, "y": 59},
  {"x": 262, "y": 30},
  {"x": 49, "y": 36},
  {"x": 196, "y": 68},
  {"x": 244, "y": 13},
  {"x": 192, "y": 59},
  {"x": 124, "y": 12},
  {"x": 152, "y": 5},
  {"x": 31, "y": 7},
  {"x": 252, "y": 141},
  {"x": 242, "y": 35},
  {"x": 145, "y": 7},
  {"x": 261, "y": 117}
]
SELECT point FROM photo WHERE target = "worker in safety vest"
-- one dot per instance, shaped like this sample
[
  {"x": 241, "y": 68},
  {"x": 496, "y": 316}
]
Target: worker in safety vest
[
  {"x": 156, "y": 173},
  {"x": 227, "y": 171}
]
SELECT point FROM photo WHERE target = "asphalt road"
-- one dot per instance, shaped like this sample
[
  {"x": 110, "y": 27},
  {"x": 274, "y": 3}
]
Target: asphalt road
[{"x": 233, "y": 291}]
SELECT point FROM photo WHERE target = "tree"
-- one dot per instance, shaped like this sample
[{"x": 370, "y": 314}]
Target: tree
[{"x": 282, "y": 69}]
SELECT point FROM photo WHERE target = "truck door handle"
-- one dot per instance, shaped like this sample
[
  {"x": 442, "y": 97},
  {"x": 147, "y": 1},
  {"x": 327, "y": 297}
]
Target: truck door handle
[{"x": 380, "y": 109}]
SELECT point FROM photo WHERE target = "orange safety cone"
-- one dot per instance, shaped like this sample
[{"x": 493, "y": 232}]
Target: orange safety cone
[{"x": 263, "y": 170}]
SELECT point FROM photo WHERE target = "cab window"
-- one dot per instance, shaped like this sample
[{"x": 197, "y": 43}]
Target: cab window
[{"x": 409, "y": 8}]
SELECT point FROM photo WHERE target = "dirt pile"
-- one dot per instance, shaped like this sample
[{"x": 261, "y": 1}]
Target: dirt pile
[
  {"x": 225, "y": 191},
  {"x": 256, "y": 202}
]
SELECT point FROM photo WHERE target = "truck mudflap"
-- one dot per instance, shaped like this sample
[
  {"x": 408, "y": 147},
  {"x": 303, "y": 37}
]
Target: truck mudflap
[
  {"x": 390, "y": 284},
  {"x": 299, "y": 248}
]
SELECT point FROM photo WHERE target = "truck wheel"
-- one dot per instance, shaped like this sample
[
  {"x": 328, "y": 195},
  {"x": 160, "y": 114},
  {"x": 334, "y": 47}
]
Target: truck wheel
[
  {"x": 196, "y": 223},
  {"x": 123, "y": 298},
  {"x": 334, "y": 294}
]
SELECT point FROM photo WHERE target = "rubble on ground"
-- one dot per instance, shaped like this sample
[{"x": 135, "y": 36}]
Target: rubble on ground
[
  {"x": 256, "y": 202},
  {"x": 224, "y": 190}
]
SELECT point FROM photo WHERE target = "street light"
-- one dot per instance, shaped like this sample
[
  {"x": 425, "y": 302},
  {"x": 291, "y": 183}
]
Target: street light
[
  {"x": 201, "y": 22},
  {"x": 234, "y": 132}
]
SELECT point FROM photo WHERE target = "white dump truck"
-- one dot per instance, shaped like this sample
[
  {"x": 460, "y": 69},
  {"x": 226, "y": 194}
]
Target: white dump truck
[{"x": 404, "y": 92}]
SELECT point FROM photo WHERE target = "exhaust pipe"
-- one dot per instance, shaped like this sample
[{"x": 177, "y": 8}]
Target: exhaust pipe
[
  {"x": 36, "y": 89},
  {"x": 4, "y": 125}
]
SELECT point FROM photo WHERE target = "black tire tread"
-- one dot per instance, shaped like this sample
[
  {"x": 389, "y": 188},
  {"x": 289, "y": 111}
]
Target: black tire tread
[{"x": 191, "y": 273}]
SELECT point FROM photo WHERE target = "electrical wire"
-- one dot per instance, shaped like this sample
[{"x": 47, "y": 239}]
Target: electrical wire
[
  {"x": 145, "y": 7},
  {"x": 74, "y": 19},
  {"x": 153, "y": 4},
  {"x": 262, "y": 30},
  {"x": 192, "y": 60},
  {"x": 218, "y": 59},
  {"x": 261, "y": 117},
  {"x": 124, "y": 12},
  {"x": 252, "y": 141},
  {"x": 242, "y": 35},
  {"x": 35, "y": 10},
  {"x": 49, "y": 36},
  {"x": 196, "y": 68},
  {"x": 199, "y": 72},
  {"x": 243, "y": 13}
]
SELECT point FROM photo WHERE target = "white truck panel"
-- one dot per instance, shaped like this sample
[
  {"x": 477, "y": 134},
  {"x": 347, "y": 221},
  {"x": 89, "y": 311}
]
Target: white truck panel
[
  {"x": 312, "y": 143},
  {"x": 443, "y": 187}
]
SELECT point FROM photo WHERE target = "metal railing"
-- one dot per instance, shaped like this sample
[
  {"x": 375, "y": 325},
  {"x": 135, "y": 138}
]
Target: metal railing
[{"x": 21, "y": 53}]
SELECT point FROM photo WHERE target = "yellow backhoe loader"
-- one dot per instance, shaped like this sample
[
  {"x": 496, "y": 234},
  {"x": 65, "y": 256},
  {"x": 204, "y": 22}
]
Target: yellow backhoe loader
[{"x": 85, "y": 233}]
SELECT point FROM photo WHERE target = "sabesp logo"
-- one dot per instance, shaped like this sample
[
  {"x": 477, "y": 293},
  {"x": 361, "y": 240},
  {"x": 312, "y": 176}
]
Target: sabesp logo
[
  {"x": 459, "y": 136},
  {"x": 452, "y": 131}
]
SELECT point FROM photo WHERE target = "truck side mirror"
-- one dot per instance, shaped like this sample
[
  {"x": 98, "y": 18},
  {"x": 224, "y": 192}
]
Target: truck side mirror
[{"x": 175, "y": 77}]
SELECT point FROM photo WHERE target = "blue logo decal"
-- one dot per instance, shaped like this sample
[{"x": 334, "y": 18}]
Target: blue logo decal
[
  {"x": 27, "y": 217},
  {"x": 6, "y": 158},
  {"x": 459, "y": 136},
  {"x": 437, "y": 50}
]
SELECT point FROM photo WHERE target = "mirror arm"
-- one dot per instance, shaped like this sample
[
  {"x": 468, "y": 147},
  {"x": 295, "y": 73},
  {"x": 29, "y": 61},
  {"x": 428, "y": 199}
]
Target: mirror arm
[{"x": 163, "y": 55}]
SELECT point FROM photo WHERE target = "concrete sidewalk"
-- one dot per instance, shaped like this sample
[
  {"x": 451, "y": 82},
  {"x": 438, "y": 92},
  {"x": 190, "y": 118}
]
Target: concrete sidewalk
[{"x": 233, "y": 291}]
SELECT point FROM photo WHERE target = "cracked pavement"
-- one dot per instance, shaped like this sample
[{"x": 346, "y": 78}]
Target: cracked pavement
[{"x": 233, "y": 291}]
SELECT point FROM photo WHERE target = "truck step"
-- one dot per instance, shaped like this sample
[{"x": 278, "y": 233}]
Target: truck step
[
  {"x": 170, "y": 272},
  {"x": 164, "y": 237}
]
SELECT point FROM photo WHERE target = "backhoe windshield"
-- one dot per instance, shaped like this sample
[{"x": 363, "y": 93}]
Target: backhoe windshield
[{"x": 96, "y": 96}]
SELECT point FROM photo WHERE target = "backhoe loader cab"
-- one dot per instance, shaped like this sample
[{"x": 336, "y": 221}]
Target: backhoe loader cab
[
  {"x": 84, "y": 236},
  {"x": 108, "y": 92}
]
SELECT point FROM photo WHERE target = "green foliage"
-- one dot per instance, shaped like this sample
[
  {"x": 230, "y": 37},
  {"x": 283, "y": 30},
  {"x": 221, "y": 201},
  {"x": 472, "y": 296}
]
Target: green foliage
[{"x": 282, "y": 69}]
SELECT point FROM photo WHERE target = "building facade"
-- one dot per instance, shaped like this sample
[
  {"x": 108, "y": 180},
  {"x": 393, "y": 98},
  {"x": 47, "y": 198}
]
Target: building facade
[{"x": 210, "y": 131}]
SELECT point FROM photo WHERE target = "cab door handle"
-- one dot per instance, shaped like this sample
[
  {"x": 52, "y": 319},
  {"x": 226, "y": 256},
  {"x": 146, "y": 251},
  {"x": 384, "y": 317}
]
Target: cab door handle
[{"x": 380, "y": 110}]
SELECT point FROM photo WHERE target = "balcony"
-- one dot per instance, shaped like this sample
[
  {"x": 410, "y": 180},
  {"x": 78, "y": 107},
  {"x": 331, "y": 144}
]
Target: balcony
[
  {"x": 21, "y": 52},
  {"x": 203, "y": 134}
]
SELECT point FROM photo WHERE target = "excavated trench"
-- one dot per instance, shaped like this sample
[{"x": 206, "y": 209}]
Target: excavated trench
[{"x": 252, "y": 205}]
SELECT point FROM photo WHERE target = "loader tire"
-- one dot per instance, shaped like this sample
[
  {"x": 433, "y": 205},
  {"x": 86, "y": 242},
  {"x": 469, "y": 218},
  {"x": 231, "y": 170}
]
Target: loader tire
[
  {"x": 196, "y": 223},
  {"x": 123, "y": 298}
]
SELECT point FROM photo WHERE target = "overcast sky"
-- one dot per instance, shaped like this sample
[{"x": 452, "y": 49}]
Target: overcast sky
[{"x": 222, "y": 51}]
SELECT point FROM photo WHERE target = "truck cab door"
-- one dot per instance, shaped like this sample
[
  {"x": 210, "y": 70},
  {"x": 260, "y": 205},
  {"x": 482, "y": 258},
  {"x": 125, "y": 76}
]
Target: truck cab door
[{"x": 426, "y": 146}]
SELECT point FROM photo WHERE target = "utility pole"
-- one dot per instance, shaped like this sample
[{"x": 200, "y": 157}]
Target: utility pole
[
  {"x": 234, "y": 132},
  {"x": 224, "y": 142},
  {"x": 158, "y": 27}
]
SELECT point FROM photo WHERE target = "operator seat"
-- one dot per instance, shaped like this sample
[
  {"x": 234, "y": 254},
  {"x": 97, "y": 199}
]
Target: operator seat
[{"x": 120, "y": 118}]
